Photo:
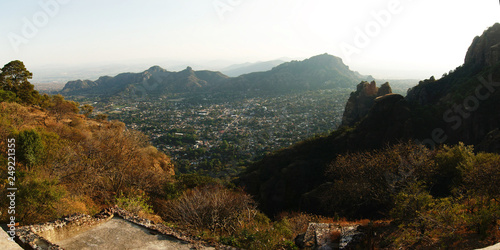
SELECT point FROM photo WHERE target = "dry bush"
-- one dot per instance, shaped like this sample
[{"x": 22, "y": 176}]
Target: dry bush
[
  {"x": 363, "y": 184},
  {"x": 76, "y": 204},
  {"x": 108, "y": 160},
  {"x": 212, "y": 207},
  {"x": 62, "y": 108},
  {"x": 300, "y": 221}
]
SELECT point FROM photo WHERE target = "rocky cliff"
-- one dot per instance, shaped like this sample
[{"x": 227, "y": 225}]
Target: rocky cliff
[
  {"x": 362, "y": 100},
  {"x": 485, "y": 49}
]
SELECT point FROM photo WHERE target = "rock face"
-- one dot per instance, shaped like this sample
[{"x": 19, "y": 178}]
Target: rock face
[
  {"x": 362, "y": 100},
  {"x": 485, "y": 49},
  {"x": 387, "y": 121}
]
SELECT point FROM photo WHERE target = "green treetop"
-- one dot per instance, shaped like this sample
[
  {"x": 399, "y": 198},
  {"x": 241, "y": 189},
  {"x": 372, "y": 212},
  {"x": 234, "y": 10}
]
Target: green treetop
[{"x": 14, "y": 77}]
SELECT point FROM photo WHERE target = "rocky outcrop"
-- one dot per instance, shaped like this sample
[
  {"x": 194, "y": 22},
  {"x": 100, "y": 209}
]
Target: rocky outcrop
[
  {"x": 362, "y": 100},
  {"x": 387, "y": 121},
  {"x": 385, "y": 89},
  {"x": 485, "y": 49}
]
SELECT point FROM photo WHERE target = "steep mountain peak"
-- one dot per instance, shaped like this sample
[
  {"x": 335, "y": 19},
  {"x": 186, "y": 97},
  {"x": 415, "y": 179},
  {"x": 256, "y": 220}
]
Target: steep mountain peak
[
  {"x": 325, "y": 60},
  {"x": 155, "y": 69},
  {"x": 485, "y": 49},
  {"x": 325, "y": 57}
]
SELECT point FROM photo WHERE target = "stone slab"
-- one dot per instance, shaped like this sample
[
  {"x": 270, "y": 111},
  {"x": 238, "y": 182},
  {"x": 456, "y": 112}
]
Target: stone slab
[{"x": 120, "y": 234}]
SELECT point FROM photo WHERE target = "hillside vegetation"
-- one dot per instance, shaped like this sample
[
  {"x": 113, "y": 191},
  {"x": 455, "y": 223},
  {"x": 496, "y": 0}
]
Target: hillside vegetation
[{"x": 66, "y": 162}]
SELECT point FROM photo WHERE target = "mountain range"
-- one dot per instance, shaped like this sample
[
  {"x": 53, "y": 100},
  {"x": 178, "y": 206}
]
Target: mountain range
[{"x": 318, "y": 72}]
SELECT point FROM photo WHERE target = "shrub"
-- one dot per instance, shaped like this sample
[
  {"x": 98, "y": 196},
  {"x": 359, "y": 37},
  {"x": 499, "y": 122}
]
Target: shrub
[
  {"x": 482, "y": 175},
  {"x": 212, "y": 207},
  {"x": 364, "y": 184},
  {"x": 134, "y": 203},
  {"x": 448, "y": 161},
  {"x": 411, "y": 202},
  {"x": 62, "y": 108},
  {"x": 255, "y": 235},
  {"x": 76, "y": 122},
  {"x": 86, "y": 110},
  {"x": 101, "y": 117},
  {"x": 37, "y": 198},
  {"x": 30, "y": 147}
]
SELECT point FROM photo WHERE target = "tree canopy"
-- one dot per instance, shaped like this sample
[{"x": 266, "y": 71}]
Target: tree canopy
[{"x": 14, "y": 77}]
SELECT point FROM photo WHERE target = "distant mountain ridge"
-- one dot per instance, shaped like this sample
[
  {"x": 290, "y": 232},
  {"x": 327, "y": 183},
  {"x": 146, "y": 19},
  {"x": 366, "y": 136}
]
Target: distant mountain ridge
[
  {"x": 318, "y": 72},
  {"x": 246, "y": 68},
  {"x": 153, "y": 80}
]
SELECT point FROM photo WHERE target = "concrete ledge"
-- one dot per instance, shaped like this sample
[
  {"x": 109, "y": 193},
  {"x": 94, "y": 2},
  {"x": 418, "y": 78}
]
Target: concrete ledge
[
  {"x": 43, "y": 236},
  {"x": 6, "y": 243}
]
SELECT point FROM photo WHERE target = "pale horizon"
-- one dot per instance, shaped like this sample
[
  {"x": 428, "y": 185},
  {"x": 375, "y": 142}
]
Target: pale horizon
[{"x": 392, "y": 39}]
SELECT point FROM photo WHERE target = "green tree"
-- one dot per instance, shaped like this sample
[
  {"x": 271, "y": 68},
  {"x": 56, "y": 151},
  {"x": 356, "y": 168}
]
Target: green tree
[
  {"x": 30, "y": 147},
  {"x": 448, "y": 161},
  {"x": 15, "y": 77}
]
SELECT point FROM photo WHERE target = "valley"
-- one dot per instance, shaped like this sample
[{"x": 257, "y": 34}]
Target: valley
[{"x": 218, "y": 135}]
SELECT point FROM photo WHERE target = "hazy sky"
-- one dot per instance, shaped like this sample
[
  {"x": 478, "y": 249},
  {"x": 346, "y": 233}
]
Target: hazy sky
[{"x": 384, "y": 38}]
